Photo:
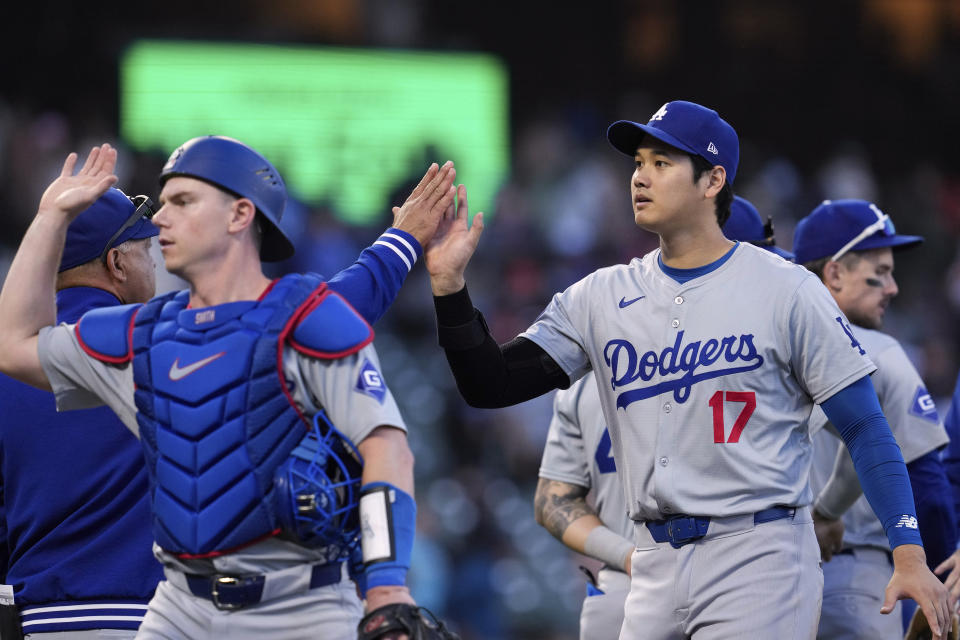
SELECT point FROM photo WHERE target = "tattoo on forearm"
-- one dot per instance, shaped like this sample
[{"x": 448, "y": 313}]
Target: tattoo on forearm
[{"x": 559, "y": 504}]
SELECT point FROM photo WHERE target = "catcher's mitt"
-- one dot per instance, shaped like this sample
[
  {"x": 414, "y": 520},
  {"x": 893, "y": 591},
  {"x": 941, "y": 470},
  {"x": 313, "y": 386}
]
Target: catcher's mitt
[
  {"x": 919, "y": 628},
  {"x": 417, "y": 622}
]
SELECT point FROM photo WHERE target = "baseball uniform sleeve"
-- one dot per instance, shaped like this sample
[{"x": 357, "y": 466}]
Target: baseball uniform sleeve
[
  {"x": 556, "y": 332},
  {"x": 564, "y": 455},
  {"x": 372, "y": 283},
  {"x": 906, "y": 404},
  {"x": 351, "y": 390},
  {"x": 823, "y": 351},
  {"x": 80, "y": 381}
]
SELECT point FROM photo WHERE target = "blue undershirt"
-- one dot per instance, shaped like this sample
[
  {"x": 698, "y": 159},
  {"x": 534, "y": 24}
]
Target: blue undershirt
[
  {"x": 935, "y": 511},
  {"x": 686, "y": 275},
  {"x": 855, "y": 412}
]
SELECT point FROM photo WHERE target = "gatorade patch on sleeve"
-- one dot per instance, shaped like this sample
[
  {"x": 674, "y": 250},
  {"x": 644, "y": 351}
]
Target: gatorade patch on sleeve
[
  {"x": 923, "y": 406},
  {"x": 371, "y": 382}
]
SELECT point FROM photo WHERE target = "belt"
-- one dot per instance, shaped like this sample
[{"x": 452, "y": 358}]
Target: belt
[
  {"x": 236, "y": 592},
  {"x": 853, "y": 551},
  {"x": 682, "y": 529}
]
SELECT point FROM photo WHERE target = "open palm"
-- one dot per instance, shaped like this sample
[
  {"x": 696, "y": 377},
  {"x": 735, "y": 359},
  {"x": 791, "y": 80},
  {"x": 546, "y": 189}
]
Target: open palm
[
  {"x": 70, "y": 194},
  {"x": 447, "y": 255}
]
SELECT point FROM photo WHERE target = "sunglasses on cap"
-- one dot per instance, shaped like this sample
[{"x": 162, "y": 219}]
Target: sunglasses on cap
[
  {"x": 883, "y": 224},
  {"x": 143, "y": 208}
]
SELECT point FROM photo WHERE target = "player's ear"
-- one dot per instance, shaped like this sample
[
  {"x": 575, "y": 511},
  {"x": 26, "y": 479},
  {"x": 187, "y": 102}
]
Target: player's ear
[
  {"x": 114, "y": 264},
  {"x": 832, "y": 276},
  {"x": 242, "y": 214},
  {"x": 717, "y": 177}
]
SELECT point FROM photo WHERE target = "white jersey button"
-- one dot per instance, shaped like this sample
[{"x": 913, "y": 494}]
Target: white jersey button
[
  {"x": 675, "y": 323},
  {"x": 668, "y": 408},
  {"x": 663, "y": 461},
  {"x": 678, "y": 299}
]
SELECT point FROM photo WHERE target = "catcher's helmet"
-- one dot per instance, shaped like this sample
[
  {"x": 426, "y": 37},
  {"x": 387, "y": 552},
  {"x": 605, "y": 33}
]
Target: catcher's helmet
[
  {"x": 317, "y": 491},
  {"x": 234, "y": 167}
]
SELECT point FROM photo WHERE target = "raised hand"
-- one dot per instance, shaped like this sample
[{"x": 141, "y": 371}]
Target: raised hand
[
  {"x": 447, "y": 255},
  {"x": 70, "y": 194},
  {"x": 423, "y": 209}
]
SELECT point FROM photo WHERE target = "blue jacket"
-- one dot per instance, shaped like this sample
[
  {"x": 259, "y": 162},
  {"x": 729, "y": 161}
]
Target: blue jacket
[{"x": 75, "y": 504}]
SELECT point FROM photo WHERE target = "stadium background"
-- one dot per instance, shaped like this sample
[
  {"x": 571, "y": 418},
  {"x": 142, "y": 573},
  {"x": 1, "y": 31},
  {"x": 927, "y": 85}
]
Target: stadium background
[{"x": 849, "y": 98}]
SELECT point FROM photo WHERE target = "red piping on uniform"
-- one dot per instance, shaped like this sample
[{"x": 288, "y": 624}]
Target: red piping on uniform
[
  {"x": 295, "y": 317},
  {"x": 214, "y": 554},
  {"x": 102, "y": 357},
  {"x": 327, "y": 355}
]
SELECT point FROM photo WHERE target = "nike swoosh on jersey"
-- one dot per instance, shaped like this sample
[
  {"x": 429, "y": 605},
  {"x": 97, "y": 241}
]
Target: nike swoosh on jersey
[
  {"x": 178, "y": 373},
  {"x": 624, "y": 303}
]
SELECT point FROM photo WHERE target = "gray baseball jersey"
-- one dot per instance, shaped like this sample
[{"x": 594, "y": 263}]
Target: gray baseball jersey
[
  {"x": 913, "y": 419},
  {"x": 706, "y": 386},
  {"x": 80, "y": 381},
  {"x": 579, "y": 451}
]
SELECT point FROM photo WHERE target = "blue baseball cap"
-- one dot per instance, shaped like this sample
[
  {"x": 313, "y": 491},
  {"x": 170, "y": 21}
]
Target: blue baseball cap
[
  {"x": 838, "y": 226},
  {"x": 688, "y": 127},
  {"x": 110, "y": 221},
  {"x": 746, "y": 225}
]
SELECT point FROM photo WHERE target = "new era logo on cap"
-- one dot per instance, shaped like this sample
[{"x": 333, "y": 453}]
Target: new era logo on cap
[{"x": 712, "y": 148}]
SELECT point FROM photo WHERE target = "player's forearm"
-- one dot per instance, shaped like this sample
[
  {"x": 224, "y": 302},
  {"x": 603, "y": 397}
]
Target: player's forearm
[
  {"x": 490, "y": 375},
  {"x": 842, "y": 488},
  {"x": 27, "y": 301},
  {"x": 561, "y": 508},
  {"x": 372, "y": 283},
  {"x": 387, "y": 458},
  {"x": 855, "y": 411}
]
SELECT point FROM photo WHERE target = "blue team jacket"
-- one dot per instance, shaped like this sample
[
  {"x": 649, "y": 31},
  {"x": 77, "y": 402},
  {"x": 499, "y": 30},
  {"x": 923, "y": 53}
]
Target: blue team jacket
[{"x": 75, "y": 508}]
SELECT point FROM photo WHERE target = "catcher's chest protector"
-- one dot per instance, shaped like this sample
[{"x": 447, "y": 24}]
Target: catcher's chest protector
[{"x": 214, "y": 417}]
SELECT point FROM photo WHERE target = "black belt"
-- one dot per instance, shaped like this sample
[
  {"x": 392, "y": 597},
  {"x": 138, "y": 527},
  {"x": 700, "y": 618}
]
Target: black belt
[
  {"x": 237, "y": 592},
  {"x": 682, "y": 529}
]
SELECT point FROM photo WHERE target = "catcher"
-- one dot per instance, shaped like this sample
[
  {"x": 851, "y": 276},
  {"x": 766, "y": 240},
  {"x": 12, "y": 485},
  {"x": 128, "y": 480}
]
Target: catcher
[{"x": 252, "y": 518}]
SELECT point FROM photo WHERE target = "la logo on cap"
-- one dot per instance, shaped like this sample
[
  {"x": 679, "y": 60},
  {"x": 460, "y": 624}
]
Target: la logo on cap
[{"x": 660, "y": 113}]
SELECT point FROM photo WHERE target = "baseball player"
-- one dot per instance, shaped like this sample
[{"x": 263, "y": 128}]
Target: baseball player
[
  {"x": 218, "y": 381},
  {"x": 577, "y": 461},
  {"x": 709, "y": 356},
  {"x": 74, "y": 487},
  {"x": 849, "y": 245}
]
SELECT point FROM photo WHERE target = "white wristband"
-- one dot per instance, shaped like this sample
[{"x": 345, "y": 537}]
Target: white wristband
[{"x": 609, "y": 547}]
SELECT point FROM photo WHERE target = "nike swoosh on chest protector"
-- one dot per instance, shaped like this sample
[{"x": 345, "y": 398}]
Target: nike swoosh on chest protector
[{"x": 177, "y": 372}]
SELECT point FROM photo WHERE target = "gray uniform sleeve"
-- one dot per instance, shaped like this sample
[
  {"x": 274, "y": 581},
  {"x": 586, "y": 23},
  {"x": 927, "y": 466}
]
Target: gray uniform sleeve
[
  {"x": 906, "y": 404},
  {"x": 824, "y": 353},
  {"x": 564, "y": 458},
  {"x": 80, "y": 381},
  {"x": 351, "y": 390},
  {"x": 555, "y": 331}
]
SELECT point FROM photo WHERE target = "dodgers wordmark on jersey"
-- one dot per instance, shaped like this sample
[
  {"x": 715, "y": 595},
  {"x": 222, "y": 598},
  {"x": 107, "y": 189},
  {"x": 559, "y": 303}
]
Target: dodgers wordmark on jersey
[
  {"x": 579, "y": 451},
  {"x": 706, "y": 386},
  {"x": 913, "y": 419}
]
